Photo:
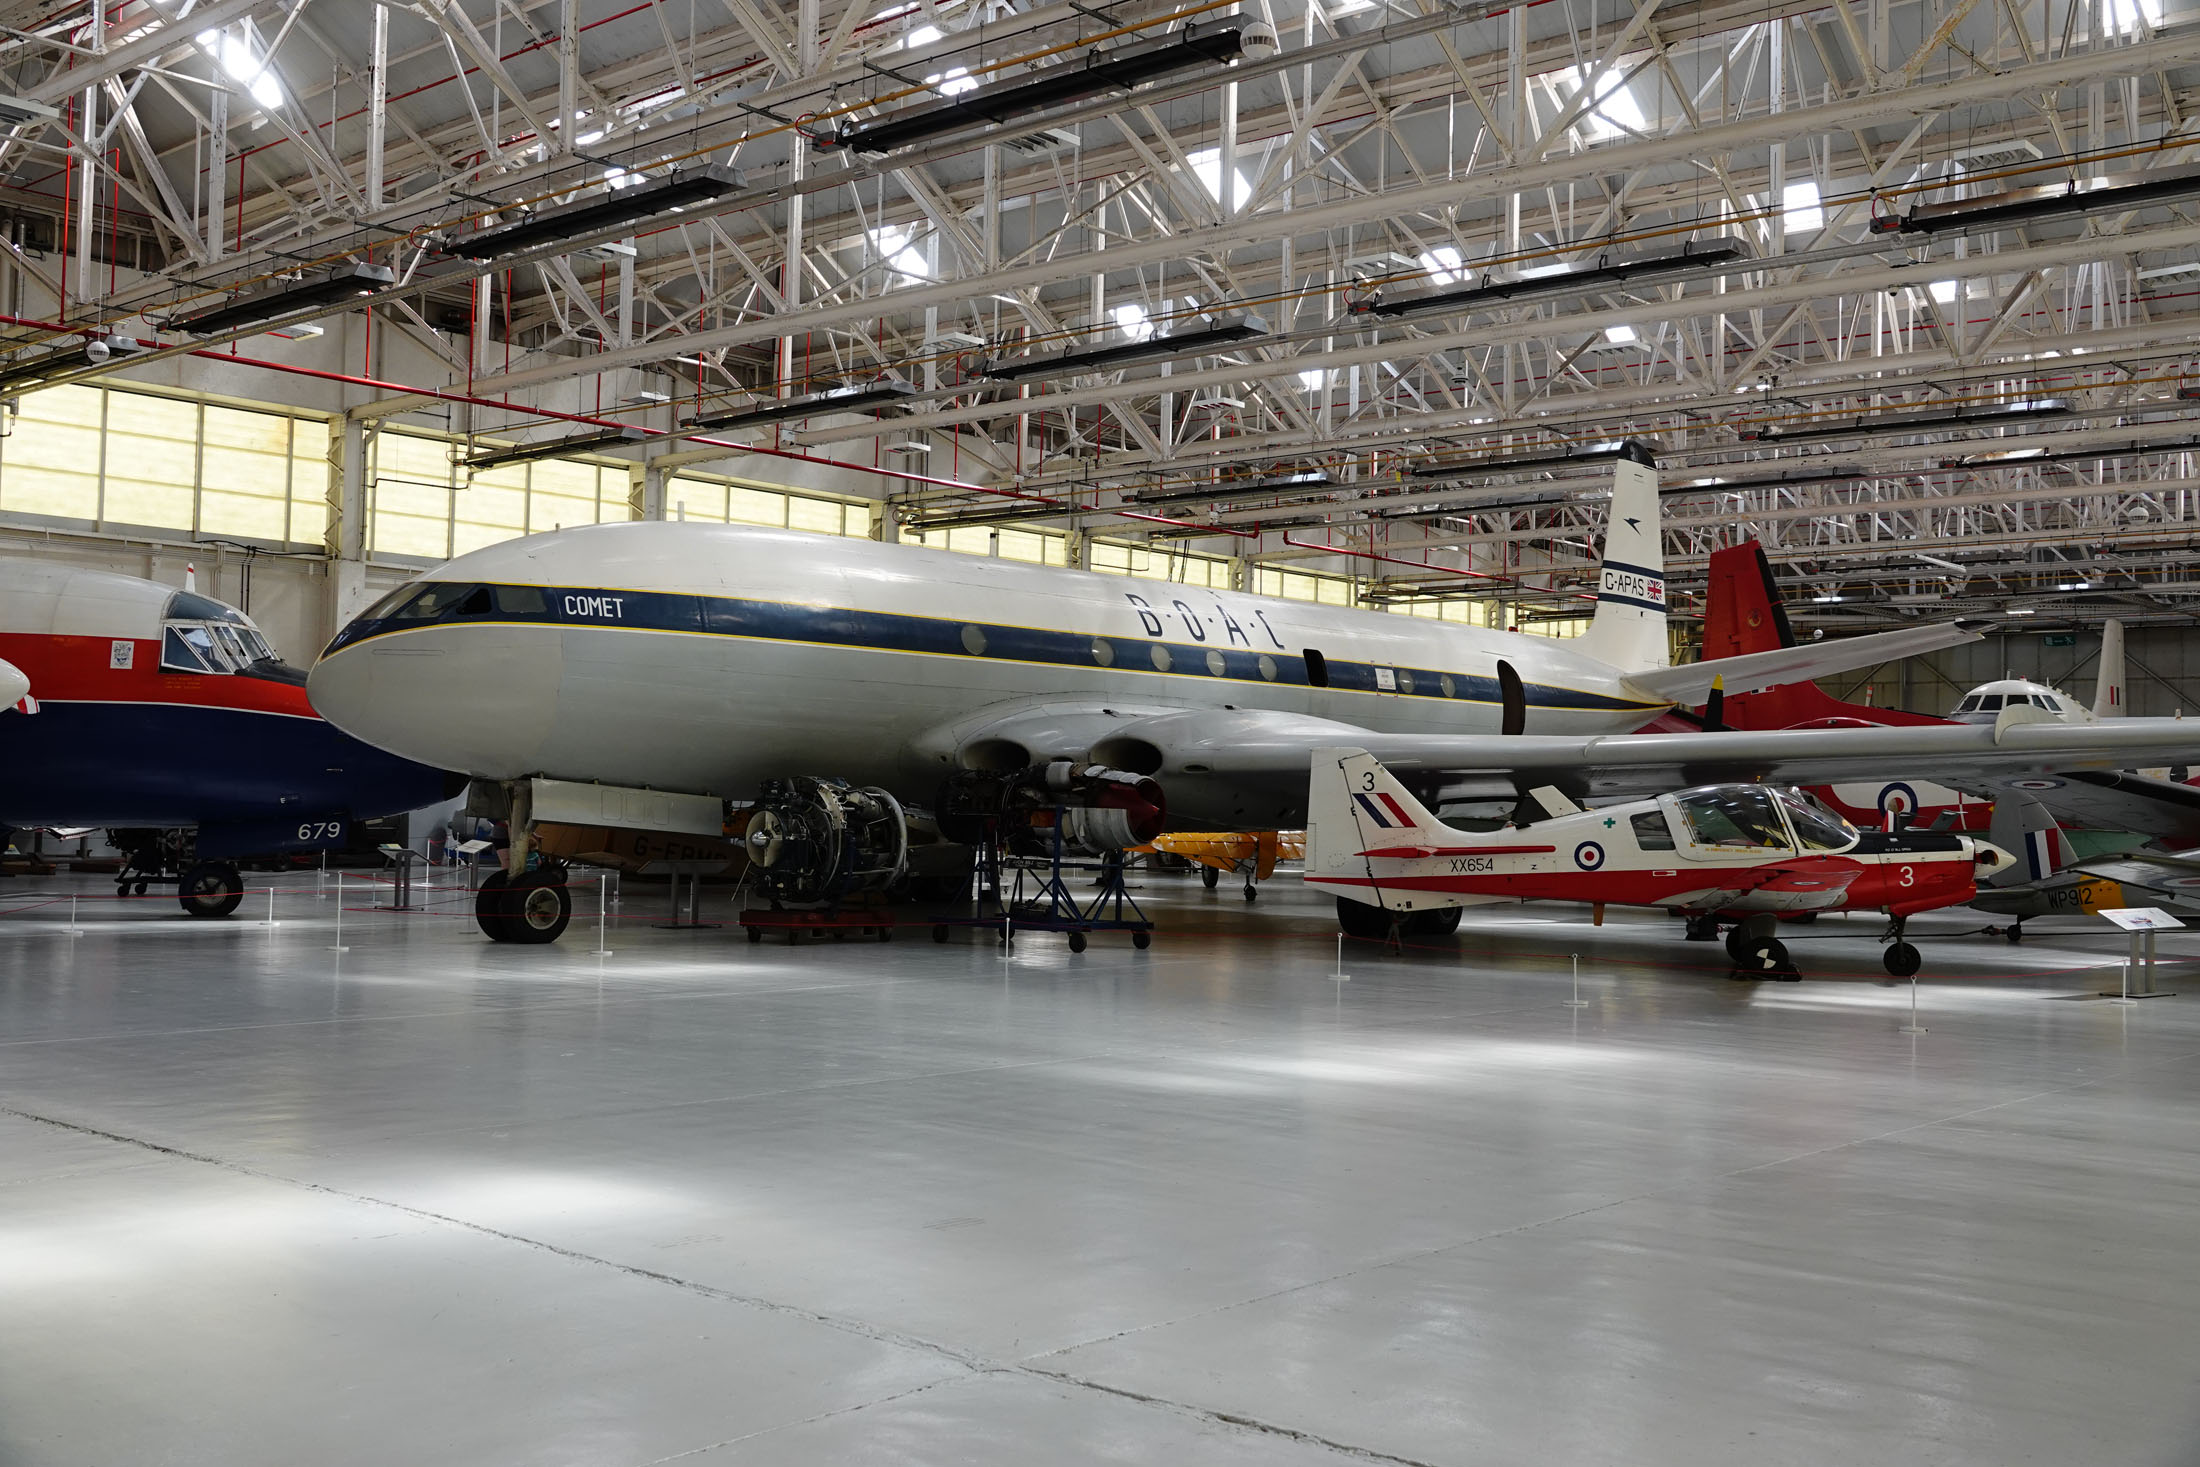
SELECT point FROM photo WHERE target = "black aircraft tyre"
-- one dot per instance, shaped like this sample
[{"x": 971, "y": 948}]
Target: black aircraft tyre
[
  {"x": 1358, "y": 919},
  {"x": 210, "y": 889},
  {"x": 537, "y": 907},
  {"x": 1209, "y": 876},
  {"x": 1436, "y": 922},
  {"x": 1901, "y": 959},
  {"x": 490, "y": 900},
  {"x": 1763, "y": 955}
]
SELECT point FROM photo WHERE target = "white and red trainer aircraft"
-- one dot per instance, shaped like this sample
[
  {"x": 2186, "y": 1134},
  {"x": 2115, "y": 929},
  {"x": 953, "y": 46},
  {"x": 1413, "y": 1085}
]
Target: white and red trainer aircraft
[{"x": 1743, "y": 853}]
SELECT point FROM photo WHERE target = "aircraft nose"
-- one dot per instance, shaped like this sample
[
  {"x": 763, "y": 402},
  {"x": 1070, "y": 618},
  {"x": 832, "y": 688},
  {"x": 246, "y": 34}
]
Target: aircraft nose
[
  {"x": 453, "y": 697},
  {"x": 1989, "y": 857}
]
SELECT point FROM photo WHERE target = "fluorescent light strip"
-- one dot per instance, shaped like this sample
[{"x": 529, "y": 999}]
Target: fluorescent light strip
[
  {"x": 554, "y": 448},
  {"x": 839, "y": 399},
  {"x": 1231, "y": 327},
  {"x": 1118, "y": 69},
  {"x": 681, "y": 190},
  {"x": 343, "y": 284},
  {"x": 1866, "y": 425},
  {"x": 2048, "y": 201},
  {"x": 1706, "y": 259}
]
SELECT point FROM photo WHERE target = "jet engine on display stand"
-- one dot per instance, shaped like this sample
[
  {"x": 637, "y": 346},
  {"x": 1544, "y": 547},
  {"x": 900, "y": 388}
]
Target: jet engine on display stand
[
  {"x": 815, "y": 841},
  {"x": 1100, "y": 811},
  {"x": 1030, "y": 826}
]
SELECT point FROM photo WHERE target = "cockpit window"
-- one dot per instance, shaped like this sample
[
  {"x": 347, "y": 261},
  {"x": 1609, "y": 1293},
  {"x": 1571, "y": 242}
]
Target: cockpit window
[
  {"x": 1816, "y": 827},
  {"x": 1651, "y": 831},
  {"x": 1968, "y": 705},
  {"x": 1989, "y": 703},
  {"x": 189, "y": 649},
  {"x": 441, "y": 602},
  {"x": 1733, "y": 817},
  {"x": 388, "y": 603}
]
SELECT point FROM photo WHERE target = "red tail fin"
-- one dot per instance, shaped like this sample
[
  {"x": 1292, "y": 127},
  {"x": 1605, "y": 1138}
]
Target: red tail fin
[
  {"x": 1743, "y": 613},
  {"x": 1742, "y": 610}
]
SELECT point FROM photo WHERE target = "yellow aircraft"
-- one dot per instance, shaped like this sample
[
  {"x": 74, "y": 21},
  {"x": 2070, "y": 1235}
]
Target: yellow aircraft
[{"x": 1253, "y": 852}]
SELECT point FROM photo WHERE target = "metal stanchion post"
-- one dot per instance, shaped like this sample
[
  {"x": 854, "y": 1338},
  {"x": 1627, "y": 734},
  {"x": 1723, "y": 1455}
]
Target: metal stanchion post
[
  {"x": 2125, "y": 997},
  {"x": 1577, "y": 1001},
  {"x": 603, "y": 913},
  {"x": 1340, "y": 976},
  {"x": 1913, "y": 1027},
  {"x": 338, "y": 946},
  {"x": 72, "y": 930},
  {"x": 270, "y": 922}
]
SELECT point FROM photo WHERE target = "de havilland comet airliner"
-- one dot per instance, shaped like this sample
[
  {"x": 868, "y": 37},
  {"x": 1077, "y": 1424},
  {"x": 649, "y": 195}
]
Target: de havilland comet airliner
[{"x": 640, "y": 675}]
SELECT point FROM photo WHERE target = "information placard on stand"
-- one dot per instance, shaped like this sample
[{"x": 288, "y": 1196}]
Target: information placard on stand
[{"x": 2142, "y": 923}]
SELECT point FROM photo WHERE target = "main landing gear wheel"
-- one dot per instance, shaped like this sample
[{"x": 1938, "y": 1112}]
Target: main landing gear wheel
[
  {"x": 490, "y": 900},
  {"x": 1141, "y": 940},
  {"x": 1901, "y": 959},
  {"x": 1209, "y": 877},
  {"x": 537, "y": 907},
  {"x": 210, "y": 889},
  {"x": 1077, "y": 942},
  {"x": 1358, "y": 919}
]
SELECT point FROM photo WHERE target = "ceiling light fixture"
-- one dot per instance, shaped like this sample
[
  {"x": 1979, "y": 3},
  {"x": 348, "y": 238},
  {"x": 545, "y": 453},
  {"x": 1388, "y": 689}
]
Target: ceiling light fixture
[
  {"x": 1873, "y": 424},
  {"x": 345, "y": 283},
  {"x": 1703, "y": 259},
  {"x": 1232, "y": 326},
  {"x": 92, "y": 353},
  {"x": 681, "y": 189},
  {"x": 837, "y": 400},
  {"x": 1310, "y": 481},
  {"x": 553, "y": 448},
  {"x": 2076, "y": 197},
  {"x": 1118, "y": 69},
  {"x": 1589, "y": 454}
]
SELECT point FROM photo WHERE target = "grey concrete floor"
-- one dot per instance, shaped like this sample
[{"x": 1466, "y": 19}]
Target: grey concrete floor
[{"x": 432, "y": 1201}]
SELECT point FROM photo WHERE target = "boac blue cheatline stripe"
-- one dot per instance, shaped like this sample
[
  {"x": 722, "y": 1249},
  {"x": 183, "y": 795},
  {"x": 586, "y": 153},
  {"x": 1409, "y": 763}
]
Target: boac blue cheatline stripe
[{"x": 888, "y": 631}]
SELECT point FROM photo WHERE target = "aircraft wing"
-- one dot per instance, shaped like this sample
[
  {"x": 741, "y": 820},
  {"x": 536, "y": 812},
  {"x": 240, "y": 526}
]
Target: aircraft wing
[
  {"x": 2110, "y": 800},
  {"x": 1690, "y": 683},
  {"x": 1270, "y": 750}
]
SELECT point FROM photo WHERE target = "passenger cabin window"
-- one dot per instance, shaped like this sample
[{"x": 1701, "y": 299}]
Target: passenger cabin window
[
  {"x": 1816, "y": 828},
  {"x": 1317, "y": 669},
  {"x": 1734, "y": 817},
  {"x": 1652, "y": 833}
]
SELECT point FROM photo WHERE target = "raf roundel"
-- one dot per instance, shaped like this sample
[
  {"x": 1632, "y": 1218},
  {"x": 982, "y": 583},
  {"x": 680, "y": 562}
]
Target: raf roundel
[{"x": 1589, "y": 856}]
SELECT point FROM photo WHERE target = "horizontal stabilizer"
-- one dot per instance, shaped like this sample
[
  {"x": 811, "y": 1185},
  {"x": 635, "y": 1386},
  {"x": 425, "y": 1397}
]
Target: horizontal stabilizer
[{"x": 1690, "y": 683}]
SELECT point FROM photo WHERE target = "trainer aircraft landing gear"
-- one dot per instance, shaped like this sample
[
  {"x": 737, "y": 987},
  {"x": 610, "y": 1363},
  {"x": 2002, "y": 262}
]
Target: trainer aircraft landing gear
[
  {"x": 1901, "y": 959},
  {"x": 1757, "y": 952}
]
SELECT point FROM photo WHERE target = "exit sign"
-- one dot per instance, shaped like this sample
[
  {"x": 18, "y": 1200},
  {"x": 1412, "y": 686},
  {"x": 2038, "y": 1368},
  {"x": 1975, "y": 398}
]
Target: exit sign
[{"x": 2060, "y": 639}]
